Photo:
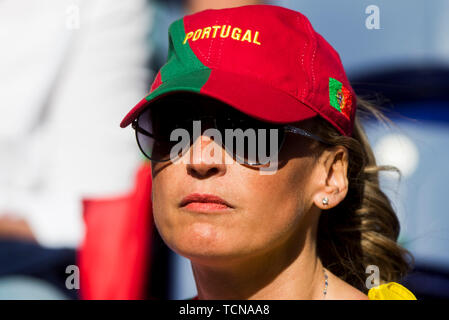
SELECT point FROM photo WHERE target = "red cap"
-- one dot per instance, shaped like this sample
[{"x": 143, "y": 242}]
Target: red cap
[{"x": 263, "y": 60}]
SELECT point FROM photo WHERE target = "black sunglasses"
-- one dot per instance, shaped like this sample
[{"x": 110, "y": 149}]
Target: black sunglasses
[{"x": 155, "y": 125}]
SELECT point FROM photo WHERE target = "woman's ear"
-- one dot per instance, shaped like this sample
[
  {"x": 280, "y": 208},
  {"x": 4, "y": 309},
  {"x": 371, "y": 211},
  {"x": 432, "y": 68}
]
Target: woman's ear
[{"x": 334, "y": 180}]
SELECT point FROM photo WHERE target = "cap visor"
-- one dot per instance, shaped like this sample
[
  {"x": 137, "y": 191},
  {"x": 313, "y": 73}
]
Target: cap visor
[{"x": 250, "y": 96}]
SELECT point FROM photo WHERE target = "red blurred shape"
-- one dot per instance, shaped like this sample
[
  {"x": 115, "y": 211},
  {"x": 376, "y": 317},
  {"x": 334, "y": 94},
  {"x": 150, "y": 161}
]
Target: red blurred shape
[{"x": 114, "y": 257}]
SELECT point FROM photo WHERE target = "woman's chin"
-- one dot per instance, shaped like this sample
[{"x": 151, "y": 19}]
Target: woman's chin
[
  {"x": 204, "y": 251},
  {"x": 200, "y": 248}
]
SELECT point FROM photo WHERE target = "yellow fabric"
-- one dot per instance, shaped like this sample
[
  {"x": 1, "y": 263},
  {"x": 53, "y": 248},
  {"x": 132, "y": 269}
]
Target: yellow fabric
[{"x": 390, "y": 291}]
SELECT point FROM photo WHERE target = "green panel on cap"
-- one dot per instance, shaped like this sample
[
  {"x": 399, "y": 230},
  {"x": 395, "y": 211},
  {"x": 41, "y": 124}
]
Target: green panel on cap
[
  {"x": 334, "y": 87},
  {"x": 183, "y": 70},
  {"x": 186, "y": 82}
]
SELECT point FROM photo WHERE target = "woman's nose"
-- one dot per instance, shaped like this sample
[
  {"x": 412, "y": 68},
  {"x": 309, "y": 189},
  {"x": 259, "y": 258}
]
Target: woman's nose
[{"x": 207, "y": 158}]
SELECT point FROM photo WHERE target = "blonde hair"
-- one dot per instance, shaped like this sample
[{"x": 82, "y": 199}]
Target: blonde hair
[{"x": 363, "y": 229}]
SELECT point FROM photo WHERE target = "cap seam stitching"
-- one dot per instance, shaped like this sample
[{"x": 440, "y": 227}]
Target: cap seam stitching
[{"x": 303, "y": 93}]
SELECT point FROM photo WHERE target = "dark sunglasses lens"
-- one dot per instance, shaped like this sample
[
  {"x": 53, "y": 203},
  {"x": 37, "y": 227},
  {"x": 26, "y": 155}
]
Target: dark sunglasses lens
[
  {"x": 154, "y": 135},
  {"x": 247, "y": 139},
  {"x": 253, "y": 142}
]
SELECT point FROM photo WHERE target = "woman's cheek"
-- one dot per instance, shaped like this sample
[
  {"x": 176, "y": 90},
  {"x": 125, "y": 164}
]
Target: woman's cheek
[{"x": 163, "y": 206}]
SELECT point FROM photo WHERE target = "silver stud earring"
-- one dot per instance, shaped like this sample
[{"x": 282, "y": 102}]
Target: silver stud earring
[{"x": 325, "y": 201}]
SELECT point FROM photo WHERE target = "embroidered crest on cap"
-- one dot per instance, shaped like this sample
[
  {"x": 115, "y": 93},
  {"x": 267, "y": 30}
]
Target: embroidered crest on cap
[{"x": 340, "y": 97}]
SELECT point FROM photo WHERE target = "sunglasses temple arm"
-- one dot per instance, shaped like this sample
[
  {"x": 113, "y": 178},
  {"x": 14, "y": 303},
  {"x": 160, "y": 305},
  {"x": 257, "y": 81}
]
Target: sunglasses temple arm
[
  {"x": 304, "y": 133},
  {"x": 141, "y": 130}
]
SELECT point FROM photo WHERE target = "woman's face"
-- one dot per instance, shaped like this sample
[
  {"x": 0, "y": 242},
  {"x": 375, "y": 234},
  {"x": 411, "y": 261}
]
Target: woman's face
[{"x": 263, "y": 212}]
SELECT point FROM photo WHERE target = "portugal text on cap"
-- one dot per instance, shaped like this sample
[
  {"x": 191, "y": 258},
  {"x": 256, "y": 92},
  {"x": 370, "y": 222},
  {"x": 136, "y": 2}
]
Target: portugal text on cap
[{"x": 224, "y": 32}]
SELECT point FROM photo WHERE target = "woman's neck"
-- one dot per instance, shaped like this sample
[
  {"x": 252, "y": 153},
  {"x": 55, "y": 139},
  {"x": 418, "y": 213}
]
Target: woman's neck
[{"x": 287, "y": 273}]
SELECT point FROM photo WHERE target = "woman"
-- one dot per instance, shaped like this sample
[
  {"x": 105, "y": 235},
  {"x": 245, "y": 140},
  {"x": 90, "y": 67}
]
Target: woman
[{"x": 262, "y": 174}]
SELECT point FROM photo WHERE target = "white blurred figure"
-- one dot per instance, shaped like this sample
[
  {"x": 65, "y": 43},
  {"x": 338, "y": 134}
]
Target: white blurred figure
[{"x": 69, "y": 70}]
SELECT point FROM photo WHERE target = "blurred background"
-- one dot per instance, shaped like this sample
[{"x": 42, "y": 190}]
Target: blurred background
[{"x": 75, "y": 217}]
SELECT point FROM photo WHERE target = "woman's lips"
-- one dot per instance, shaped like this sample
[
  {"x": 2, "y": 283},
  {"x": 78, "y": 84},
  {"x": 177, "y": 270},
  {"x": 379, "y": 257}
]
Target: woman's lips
[{"x": 204, "y": 203}]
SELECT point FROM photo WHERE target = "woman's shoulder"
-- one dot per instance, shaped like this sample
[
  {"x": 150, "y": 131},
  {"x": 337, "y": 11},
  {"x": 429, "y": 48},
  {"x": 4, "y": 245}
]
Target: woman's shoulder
[{"x": 390, "y": 291}]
